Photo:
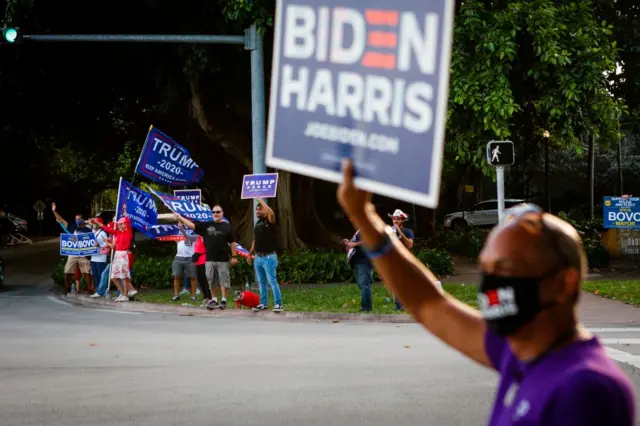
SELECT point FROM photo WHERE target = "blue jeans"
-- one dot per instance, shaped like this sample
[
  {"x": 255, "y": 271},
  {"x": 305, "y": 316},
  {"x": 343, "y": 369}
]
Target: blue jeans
[
  {"x": 97, "y": 268},
  {"x": 399, "y": 306},
  {"x": 364, "y": 279},
  {"x": 265, "y": 267},
  {"x": 186, "y": 284}
]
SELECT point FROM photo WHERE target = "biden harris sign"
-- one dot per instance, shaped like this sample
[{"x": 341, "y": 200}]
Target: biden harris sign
[{"x": 367, "y": 80}]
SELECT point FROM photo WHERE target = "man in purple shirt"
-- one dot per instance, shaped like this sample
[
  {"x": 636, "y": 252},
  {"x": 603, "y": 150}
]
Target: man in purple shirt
[{"x": 553, "y": 371}]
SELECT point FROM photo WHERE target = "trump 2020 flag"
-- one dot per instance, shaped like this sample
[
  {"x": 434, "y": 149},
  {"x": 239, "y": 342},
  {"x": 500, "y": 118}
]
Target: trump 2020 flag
[
  {"x": 185, "y": 208},
  {"x": 141, "y": 208},
  {"x": 165, "y": 161},
  {"x": 167, "y": 233}
]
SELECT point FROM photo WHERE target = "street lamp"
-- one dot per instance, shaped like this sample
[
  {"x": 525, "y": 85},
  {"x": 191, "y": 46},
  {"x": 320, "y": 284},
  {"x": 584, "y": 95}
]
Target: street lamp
[
  {"x": 10, "y": 35},
  {"x": 546, "y": 135}
]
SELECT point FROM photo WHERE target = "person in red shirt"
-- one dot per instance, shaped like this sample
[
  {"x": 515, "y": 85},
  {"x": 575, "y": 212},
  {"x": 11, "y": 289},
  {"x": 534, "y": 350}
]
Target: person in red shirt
[
  {"x": 120, "y": 267},
  {"x": 246, "y": 298}
]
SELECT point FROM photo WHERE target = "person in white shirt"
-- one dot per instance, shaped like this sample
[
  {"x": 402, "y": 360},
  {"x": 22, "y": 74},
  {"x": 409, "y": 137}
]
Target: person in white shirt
[
  {"x": 99, "y": 262},
  {"x": 183, "y": 266}
]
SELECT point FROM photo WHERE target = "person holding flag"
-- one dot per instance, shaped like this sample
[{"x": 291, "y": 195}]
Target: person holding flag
[
  {"x": 220, "y": 245},
  {"x": 123, "y": 234}
]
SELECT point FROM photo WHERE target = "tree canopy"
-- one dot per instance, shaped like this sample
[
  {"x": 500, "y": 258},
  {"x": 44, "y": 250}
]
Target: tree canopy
[{"x": 79, "y": 112}]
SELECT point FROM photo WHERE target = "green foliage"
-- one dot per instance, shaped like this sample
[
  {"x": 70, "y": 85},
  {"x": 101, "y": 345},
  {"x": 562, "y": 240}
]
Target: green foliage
[
  {"x": 247, "y": 12},
  {"x": 466, "y": 243},
  {"x": 590, "y": 230},
  {"x": 519, "y": 68},
  {"x": 152, "y": 267}
]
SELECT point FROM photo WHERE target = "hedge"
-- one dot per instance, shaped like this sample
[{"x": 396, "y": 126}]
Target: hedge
[
  {"x": 302, "y": 267},
  {"x": 469, "y": 242}
]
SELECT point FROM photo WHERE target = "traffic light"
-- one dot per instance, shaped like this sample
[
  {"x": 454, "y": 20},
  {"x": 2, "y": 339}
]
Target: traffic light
[{"x": 11, "y": 35}]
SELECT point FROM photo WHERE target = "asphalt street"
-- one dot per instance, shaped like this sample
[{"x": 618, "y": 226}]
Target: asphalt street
[{"x": 67, "y": 365}]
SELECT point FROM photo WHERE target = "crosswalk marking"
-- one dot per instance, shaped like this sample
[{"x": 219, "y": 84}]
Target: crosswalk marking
[
  {"x": 623, "y": 341},
  {"x": 615, "y": 330},
  {"x": 622, "y": 356}
]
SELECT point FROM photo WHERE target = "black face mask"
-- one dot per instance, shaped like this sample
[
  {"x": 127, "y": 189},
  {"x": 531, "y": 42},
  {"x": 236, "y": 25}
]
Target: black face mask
[{"x": 509, "y": 303}]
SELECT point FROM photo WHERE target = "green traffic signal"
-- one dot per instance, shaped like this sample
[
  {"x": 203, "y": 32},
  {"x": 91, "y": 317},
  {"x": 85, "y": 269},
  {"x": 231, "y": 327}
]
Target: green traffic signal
[{"x": 10, "y": 35}]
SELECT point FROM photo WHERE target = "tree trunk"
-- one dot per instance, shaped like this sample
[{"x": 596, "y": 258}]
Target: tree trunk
[{"x": 286, "y": 220}]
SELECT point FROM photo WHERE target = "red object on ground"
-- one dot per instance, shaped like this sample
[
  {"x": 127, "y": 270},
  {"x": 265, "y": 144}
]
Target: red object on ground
[{"x": 248, "y": 299}]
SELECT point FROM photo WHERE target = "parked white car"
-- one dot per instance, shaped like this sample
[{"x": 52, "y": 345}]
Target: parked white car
[{"x": 484, "y": 213}]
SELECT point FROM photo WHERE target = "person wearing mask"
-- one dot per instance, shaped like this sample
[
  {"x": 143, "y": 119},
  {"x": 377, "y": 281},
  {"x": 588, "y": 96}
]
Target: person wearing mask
[
  {"x": 264, "y": 249},
  {"x": 74, "y": 262},
  {"x": 99, "y": 261},
  {"x": 405, "y": 235},
  {"x": 120, "y": 269},
  {"x": 553, "y": 371},
  {"x": 220, "y": 245},
  {"x": 183, "y": 266},
  {"x": 363, "y": 270}
]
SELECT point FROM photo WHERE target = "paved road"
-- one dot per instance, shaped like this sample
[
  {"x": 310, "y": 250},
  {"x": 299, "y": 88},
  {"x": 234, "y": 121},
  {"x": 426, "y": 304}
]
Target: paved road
[{"x": 66, "y": 365}]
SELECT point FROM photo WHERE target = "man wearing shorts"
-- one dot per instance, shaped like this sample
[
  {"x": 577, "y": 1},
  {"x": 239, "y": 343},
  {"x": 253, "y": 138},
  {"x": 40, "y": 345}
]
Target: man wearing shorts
[
  {"x": 220, "y": 244},
  {"x": 183, "y": 266},
  {"x": 74, "y": 262}
]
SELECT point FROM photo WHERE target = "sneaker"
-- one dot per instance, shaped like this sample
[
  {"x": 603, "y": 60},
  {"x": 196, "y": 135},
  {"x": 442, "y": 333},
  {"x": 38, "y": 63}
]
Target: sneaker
[
  {"x": 197, "y": 291},
  {"x": 259, "y": 308},
  {"x": 194, "y": 298},
  {"x": 212, "y": 305},
  {"x": 95, "y": 296},
  {"x": 223, "y": 304},
  {"x": 175, "y": 298},
  {"x": 122, "y": 298},
  {"x": 205, "y": 303},
  {"x": 278, "y": 308},
  {"x": 133, "y": 293},
  {"x": 185, "y": 291}
]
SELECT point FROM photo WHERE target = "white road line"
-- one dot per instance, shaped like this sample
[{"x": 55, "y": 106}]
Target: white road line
[
  {"x": 58, "y": 301},
  {"x": 613, "y": 341},
  {"x": 622, "y": 356},
  {"x": 116, "y": 311},
  {"x": 615, "y": 330}
]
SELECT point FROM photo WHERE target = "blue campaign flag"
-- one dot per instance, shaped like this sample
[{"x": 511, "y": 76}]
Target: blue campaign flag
[
  {"x": 259, "y": 186},
  {"x": 185, "y": 208},
  {"x": 193, "y": 195},
  {"x": 165, "y": 161},
  {"x": 366, "y": 80},
  {"x": 621, "y": 212},
  {"x": 78, "y": 244},
  {"x": 167, "y": 233},
  {"x": 141, "y": 208}
]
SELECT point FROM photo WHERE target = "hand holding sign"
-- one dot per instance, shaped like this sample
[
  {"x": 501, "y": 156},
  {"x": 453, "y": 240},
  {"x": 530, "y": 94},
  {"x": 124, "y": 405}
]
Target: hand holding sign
[
  {"x": 355, "y": 202},
  {"x": 53, "y": 207}
]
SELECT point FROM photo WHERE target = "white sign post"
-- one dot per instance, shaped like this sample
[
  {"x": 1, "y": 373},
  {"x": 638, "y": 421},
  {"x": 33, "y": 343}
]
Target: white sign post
[{"x": 500, "y": 154}]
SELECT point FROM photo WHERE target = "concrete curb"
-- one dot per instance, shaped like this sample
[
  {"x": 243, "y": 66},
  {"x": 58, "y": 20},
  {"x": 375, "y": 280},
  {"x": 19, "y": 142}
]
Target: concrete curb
[{"x": 85, "y": 301}]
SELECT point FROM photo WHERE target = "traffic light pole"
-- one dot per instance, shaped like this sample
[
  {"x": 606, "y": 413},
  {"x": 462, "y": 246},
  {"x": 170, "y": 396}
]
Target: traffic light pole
[
  {"x": 500, "y": 182},
  {"x": 252, "y": 41}
]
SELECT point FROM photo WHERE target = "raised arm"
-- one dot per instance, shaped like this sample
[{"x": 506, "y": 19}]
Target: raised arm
[
  {"x": 192, "y": 238},
  {"x": 455, "y": 323},
  {"x": 185, "y": 222},
  {"x": 57, "y": 215},
  {"x": 408, "y": 242},
  {"x": 271, "y": 216}
]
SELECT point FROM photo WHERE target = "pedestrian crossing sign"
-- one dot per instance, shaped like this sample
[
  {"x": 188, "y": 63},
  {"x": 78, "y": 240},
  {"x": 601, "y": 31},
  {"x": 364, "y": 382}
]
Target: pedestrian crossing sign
[{"x": 501, "y": 153}]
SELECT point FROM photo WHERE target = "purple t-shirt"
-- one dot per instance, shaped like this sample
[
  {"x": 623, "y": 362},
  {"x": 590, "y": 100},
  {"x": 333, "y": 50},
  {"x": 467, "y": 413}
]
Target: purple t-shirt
[{"x": 574, "y": 385}]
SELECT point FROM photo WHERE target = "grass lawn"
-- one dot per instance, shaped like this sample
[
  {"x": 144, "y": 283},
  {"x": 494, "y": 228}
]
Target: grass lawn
[
  {"x": 623, "y": 291},
  {"x": 334, "y": 298}
]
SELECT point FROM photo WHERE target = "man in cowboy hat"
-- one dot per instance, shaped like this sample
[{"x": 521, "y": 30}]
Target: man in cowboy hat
[{"x": 405, "y": 235}]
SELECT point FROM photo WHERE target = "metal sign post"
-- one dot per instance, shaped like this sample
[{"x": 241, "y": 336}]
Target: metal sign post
[{"x": 500, "y": 154}]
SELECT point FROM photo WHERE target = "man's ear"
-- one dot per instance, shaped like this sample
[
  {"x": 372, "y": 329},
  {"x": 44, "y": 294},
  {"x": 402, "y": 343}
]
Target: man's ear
[{"x": 571, "y": 287}]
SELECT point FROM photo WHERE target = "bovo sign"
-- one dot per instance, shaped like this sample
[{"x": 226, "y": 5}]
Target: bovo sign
[
  {"x": 78, "y": 245},
  {"x": 192, "y": 211}
]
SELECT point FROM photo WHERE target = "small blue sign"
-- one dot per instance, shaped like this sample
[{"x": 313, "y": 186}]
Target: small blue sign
[
  {"x": 193, "y": 195},
  {"x": 78, "y": 245},
  {"x": 165, "y": 161},
  {"x": 184, "y": 208},
  {"x": 621, "y": 212},
  {"x": 366, "y": 80},
  {"x": 260, "y": 186}
]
